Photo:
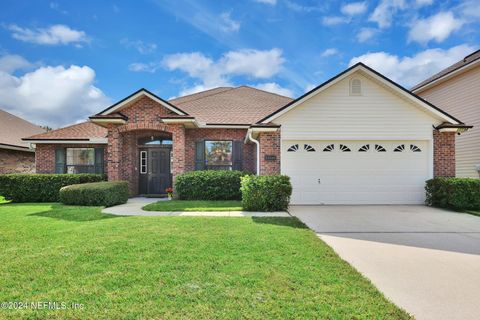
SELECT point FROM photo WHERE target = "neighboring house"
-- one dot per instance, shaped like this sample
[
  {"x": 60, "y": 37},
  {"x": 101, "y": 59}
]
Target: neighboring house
[
  {"x": 457, "y": 91},
  {"x": 15, "y": 155},
  {"x": 357, "y": 138}
]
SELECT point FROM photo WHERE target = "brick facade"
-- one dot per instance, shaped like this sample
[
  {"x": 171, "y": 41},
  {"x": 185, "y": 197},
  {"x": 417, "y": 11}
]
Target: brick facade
[
  {"x": 443, "y": 154},
  {"x": 269, "y": 146},
  {"x": 194, "y": 135},
  {"x": 144, "y": 120},
  {"x": 15, "y": 161},
  {"x": 45, "y": 155}
]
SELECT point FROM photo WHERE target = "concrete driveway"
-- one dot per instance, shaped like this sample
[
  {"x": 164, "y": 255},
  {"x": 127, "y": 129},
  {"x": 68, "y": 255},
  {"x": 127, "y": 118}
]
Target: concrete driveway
[{"x": 425, "y": 260}]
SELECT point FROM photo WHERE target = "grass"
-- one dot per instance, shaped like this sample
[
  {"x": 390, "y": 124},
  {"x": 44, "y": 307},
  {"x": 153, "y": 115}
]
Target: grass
[
  {"x": 194, "y": 205},
  {"x": 175, "y": 267}
]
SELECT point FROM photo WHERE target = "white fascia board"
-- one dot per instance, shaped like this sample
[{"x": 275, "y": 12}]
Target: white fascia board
[
  {"x": 136, "y": 96},
  {"x": 113, "y": 121},
  {"x": 9, "y": 147},
  {"x": 89, "y": 141},
  {"x": 447, "y": 76}
]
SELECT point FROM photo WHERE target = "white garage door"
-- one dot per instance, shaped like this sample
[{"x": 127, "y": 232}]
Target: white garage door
[{"x": 356, "y": 172}]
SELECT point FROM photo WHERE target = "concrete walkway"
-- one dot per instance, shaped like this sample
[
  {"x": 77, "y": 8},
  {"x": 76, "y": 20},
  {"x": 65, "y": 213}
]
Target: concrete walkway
[
  {"x": 426, "y": 260},
  {"x": 134, "y": 208}
]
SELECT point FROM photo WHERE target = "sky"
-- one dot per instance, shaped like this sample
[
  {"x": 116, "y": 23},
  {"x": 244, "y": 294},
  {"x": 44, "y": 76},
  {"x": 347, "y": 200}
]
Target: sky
[{"x": 62, "y": 61}]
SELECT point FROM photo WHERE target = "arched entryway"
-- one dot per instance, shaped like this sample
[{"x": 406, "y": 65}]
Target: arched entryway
[{"x": 154, "y": 163}]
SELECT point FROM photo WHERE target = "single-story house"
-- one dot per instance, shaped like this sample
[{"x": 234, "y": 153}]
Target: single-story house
[
  {"x": 456, "y": 90},
  {"x": 15, "y": 154},
  {"x": 358, "y": 138}
]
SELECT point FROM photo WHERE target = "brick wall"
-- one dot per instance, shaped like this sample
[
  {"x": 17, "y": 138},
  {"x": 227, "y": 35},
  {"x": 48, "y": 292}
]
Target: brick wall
[
  {"x": 13, "y": 161},
  {"x": 443, "y": 154},
  {"x": 269, "y": 146},
  {"x": 194, "y": 135},
  {"x": 45, "y": 155}
]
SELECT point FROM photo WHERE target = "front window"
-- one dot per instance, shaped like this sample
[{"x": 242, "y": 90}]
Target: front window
[
  {"x": 80, "y": 160},
  {"x": 218, "y": 155}
]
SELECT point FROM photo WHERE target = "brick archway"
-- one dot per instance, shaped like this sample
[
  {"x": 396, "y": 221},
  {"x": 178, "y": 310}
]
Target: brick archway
[{"x": 122, "y": 149}]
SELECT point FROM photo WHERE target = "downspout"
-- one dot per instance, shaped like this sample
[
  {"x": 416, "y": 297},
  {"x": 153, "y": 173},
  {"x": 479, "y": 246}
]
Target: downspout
[{"x": 250, "y": 137}]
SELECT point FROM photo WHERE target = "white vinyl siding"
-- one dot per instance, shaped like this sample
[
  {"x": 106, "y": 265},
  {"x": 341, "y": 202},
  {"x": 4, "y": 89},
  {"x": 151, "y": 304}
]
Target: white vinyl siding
[
  {"x": 460, "y": 96},
  {"x": 378, "y": 113}
]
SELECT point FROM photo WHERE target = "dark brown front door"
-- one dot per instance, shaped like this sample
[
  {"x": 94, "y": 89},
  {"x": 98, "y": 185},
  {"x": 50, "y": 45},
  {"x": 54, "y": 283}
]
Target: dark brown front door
[{"x": 155, "y": 177}]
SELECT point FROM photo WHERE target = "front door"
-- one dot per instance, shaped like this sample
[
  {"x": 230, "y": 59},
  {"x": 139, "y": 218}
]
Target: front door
[{"x": 155, "y": 174}]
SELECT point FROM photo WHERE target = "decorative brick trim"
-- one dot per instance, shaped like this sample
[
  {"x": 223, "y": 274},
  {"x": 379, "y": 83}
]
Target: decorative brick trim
[
  {"x": 269, "y": 146},
  {"x": 443, "y": 154}
]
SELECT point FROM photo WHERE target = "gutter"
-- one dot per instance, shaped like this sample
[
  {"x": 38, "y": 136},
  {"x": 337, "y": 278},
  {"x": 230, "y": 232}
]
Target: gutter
[
  {"x": 259, "y": 128},
  {"x": 250, "y": 137}
]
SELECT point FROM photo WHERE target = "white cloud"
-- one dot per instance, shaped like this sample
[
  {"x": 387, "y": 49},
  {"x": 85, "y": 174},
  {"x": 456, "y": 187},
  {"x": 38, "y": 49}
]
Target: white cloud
[
  {"x": 366, "y": 34},
  {"x": 334, "y": 20},
  {"x": 421, "y": 3},
  {"x": 228, "y": 24},
  {"x": 271, "y": 2},
  {"x": 246, "y": 62},
  {"x": 275, "y": 88},
  {"x": 329, "y": 52},
  {"x": 437, "y": 27},
  {"x": 383, "y": 13},
  {"x": 151, "y": 67},
  {"x": 139, "y": 45},
  {"x": 53, "y": 35},
  {"x": 12, "y": 62},
  {"x": 409, "y": 71},
  {"x": 354, "y": 8},
  {"x": 52, "y": 95},
  {"x": 303, "y": 8}
]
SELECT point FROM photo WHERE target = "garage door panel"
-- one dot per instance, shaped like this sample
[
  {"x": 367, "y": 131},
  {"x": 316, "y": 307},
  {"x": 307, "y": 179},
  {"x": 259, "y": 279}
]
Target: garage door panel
[{"x": 371, "y": 177}]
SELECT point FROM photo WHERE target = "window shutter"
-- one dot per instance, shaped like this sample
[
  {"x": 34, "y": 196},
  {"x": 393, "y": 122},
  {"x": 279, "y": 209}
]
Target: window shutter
[
  {"x": 237, "y": 155},
  {"x": 200, "y": 155},
  {"x": 99, "y": 161},
  {"x": 60, "y": 160}
]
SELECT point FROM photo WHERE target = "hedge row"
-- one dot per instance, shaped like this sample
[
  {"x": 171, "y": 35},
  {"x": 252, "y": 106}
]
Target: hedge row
[
  {"x": 209, "y": 185},
  {"x": 40, "y": 187},
  {"x": 454, "y": 193},
  {"x": 95, "y": 194},
  {"x": 266, "y": 193}
]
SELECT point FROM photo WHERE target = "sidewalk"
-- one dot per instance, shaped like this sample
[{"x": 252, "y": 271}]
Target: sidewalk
[{"x": 134, "y": 208}]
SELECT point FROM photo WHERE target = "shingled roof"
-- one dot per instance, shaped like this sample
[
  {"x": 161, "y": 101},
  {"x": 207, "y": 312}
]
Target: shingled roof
[
  {"x": 13, "y": 129},
  {"x": 223, "y": 106},
  {"x": 80, "y": 131},
  {"x": 462, "y": 63},
  {"x": 240, "y": 105}
]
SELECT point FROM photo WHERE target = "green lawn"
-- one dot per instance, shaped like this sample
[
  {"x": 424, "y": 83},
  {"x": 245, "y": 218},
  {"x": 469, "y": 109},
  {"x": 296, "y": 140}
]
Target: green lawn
[
  {"x": 193, "y": 205},
  {"x": 175, "y": 267}
]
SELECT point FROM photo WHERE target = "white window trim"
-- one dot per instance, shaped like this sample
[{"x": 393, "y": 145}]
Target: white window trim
[{"x": 143, "y": 167}]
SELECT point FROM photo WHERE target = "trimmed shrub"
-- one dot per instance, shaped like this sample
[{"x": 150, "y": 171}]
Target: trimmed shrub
[
  {"x": 40, "y": 187},
  {"x": 209, "y": 185},
  {"x": 266, "y": 193},
  {"x": 95, "y": 194},
  {"x": 453, "y": 193}
]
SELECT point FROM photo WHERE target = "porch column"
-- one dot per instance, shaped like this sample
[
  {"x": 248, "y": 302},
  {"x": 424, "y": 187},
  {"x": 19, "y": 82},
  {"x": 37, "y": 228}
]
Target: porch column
[
  {"x": 443, "y": 154},
  {"x": 114, "y": 148},
  {"x": 178, "y": 137}
]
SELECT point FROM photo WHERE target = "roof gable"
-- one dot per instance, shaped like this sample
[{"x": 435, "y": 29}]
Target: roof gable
[
  {"x": 375, "y": 76},
  {"x": 134, "y": 97}
]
